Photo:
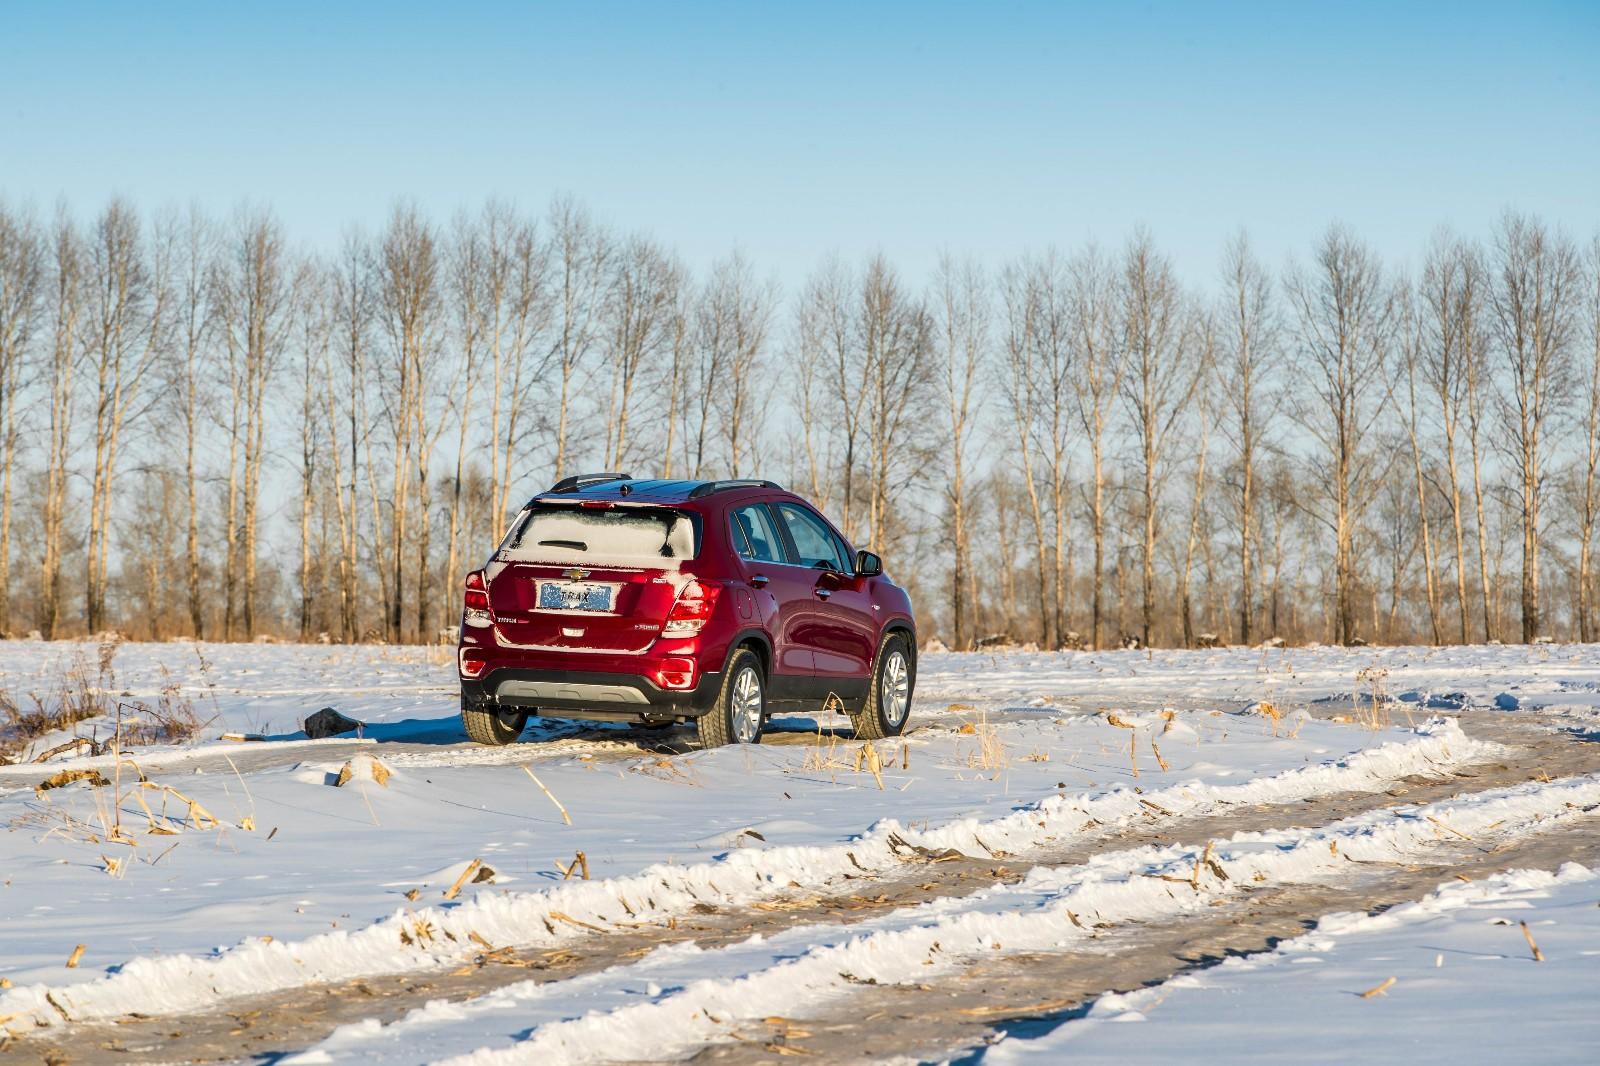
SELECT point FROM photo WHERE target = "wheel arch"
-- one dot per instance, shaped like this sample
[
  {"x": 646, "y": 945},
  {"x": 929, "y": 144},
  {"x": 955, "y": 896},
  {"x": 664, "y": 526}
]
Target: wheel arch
[
  {"x": 757, "y": 641},
  {"x": 904, "y": 627}
]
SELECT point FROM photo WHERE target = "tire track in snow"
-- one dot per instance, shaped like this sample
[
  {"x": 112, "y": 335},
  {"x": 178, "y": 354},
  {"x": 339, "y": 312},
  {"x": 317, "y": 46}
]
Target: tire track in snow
[
  {"x": 179, "y": 983},
  {"x": 1052, "y": 909}
]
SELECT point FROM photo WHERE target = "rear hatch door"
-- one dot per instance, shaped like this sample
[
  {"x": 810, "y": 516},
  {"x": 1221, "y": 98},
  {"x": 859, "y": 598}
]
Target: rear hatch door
[{"x": 595, "y": 578}]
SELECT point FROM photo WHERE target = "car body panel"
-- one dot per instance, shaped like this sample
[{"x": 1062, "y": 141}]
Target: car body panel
[{"x": 816, "y": 630}]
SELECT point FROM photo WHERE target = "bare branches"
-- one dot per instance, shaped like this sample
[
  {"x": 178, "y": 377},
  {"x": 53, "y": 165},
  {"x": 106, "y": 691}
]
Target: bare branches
[{"x": 1063, "y": 438}]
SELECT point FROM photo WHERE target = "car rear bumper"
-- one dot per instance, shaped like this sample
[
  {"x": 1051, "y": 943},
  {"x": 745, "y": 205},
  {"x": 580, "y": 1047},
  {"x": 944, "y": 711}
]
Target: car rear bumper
[{"x": 588, "y": 693}]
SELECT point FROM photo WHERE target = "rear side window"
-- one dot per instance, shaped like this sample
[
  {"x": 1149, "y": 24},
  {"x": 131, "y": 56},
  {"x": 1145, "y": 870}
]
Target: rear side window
[
  {"x": 813, "y": 540},
  {"x": 754, "y": 536},
  {"x": 627, "y": 536}
]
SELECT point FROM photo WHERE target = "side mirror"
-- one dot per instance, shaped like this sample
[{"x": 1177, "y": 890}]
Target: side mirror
[{"x": 868, "y": 564}]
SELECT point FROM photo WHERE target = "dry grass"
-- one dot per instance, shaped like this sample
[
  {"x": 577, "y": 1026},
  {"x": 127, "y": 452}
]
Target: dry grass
[
  {"x": 992, "y": 755},
  {"x": 823, "y": 753},
  {"x": 83, "y": 692},
  {"x": 1374, "y": 712},
  {"x": 79, "y": 695},
  {"x": 1112, "y": 718},
  {"x": 172, "y": 719}
]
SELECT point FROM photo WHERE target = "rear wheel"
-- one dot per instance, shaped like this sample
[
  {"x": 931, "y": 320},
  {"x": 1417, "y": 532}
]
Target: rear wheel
[
  {"x": 741, "y": 707},
  {"x": 492, "y": 725},
  {"x": 888, "y": 702}
]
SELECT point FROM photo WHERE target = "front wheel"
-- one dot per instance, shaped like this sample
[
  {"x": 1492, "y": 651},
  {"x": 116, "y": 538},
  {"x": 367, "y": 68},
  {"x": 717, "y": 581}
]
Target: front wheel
[
  {"x": 741, "y": 707},
  {"x": 888, "y": 702},
  {"x": 491, "y": 724}
]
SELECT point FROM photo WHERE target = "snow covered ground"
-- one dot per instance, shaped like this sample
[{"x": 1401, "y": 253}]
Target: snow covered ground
[
  {"x": 1465, "y": 988},
  {"x": 303, "y": 881}
]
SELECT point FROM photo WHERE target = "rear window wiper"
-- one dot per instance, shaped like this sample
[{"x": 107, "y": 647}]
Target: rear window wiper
[{"x": 575, "y": 545}]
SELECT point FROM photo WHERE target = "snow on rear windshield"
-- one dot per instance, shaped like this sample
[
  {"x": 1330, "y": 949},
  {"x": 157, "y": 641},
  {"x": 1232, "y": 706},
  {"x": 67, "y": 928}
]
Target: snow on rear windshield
[{"x": 630, "y": 536}]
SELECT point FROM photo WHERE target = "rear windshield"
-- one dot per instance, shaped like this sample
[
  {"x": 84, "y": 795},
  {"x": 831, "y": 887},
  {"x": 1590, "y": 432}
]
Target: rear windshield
[{"x": 629, "y": 536}]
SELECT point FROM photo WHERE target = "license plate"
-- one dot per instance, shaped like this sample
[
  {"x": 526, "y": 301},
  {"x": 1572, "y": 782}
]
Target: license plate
[{"x": 574, "y": 596}]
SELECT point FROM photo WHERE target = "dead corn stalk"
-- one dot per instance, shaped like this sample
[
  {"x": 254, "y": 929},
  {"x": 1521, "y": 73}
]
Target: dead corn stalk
[{"x": 565, "y": 817}]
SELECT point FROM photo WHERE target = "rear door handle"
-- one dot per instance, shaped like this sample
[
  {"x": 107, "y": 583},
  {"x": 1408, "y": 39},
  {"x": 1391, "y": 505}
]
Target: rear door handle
[
  {"x": 759, "y": 581},
  {"x": 824, "y": 593}
]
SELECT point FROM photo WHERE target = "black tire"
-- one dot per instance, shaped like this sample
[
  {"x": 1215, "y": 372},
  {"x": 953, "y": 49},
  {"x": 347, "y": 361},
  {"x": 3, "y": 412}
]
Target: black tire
[
  {"x": 718, "y": 726},
  {"x": 488, "y": 724},
  {"x": 876, "y": 720}
]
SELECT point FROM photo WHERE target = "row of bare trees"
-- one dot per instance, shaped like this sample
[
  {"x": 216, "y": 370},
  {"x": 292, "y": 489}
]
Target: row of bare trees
[{"x": 205, "y": 430}]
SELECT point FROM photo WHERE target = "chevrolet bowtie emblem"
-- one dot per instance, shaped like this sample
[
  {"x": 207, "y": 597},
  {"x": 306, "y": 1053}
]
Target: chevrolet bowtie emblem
[{"x": 575, "y": 574}]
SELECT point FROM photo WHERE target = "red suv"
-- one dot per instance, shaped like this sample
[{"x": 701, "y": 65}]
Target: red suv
[{"x": 662, "y": 601}]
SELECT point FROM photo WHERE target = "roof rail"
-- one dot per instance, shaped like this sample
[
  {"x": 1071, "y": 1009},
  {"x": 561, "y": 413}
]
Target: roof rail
[
  {"x": 706, "y": 488},
  {"x": 580, "y": 481}
]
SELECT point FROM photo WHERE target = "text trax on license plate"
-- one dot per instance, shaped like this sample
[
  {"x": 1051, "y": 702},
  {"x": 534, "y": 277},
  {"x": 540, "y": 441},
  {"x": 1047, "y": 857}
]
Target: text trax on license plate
[{"x": 573, "y": 596}]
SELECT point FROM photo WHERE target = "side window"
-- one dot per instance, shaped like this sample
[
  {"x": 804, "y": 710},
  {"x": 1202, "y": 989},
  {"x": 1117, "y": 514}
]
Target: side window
[
  {"x": 813, "y": 540},
  {"x": 754, "y": 538}
]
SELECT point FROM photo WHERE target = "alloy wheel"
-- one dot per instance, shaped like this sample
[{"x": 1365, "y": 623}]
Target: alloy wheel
[
  {"x": 895, "y": 689},
  {"x": 747, "y": 706}
]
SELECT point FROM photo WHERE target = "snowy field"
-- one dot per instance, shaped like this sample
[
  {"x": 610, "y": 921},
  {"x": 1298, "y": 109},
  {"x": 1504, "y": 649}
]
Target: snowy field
[{"x": 279, "y": 877}]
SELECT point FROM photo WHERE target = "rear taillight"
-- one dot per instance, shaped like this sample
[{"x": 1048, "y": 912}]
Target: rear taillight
[
  {"x": 473, "y": 661},
  {"x": 692, "y": 611},
  {"x": 477, "y": 594},
  {"x": 675, "y": 673}
]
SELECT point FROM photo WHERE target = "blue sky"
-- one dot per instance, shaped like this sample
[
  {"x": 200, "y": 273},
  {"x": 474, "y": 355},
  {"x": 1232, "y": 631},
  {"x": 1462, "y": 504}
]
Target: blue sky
[{"x": 792, "y": 131}]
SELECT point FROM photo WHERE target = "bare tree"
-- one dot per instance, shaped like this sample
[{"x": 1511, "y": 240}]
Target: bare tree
[
  {"x": 1164, "y": 364},
  {"x": 1343, "y": 318},
  {"x": 1449, "y": 280},
  {"x": 313, "y": 328},
  {"x": 1026, "y": 383},
  {"x": 1412, "y": 344},
  {"x": 66, "y": 311},
  {"x": 640, "y": 307},
  {"x": 733, "y": 316},
  {"x": 675, "y": 379},
  {"x": 582, "y": 256},
  {"x": 895, "y": 336},
  {"x": 830, "y": 369},
  {"x": 350, "y": 294},
  {"x": 1204, "y": 342},
  {"x": 22, "y": 294},
  {"x": 516, "y": 304},
  {"x": 819, "y": 333},
  {"x": 1536, "y": 284},
  {"x": 748, "y": 306},
  {"x": 409, "y": 305},
  {"x": 193, "y": 322},
  {"x": 127, "y": 294},
  {"x": 1248, "y": 336},
  {"x": 255, "y": 302},
  {"x": 469, "y": 285},
  {"x": 1472, "y": 335},
  {"x": 1589, "y": 462},
  {"x": 1101, "y": 362},
  {"x": 962, "y": 310}
]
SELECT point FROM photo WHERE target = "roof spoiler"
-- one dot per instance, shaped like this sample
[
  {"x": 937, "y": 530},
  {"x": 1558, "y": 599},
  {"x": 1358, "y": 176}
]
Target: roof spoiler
[{"x": 581, "y": 481}]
